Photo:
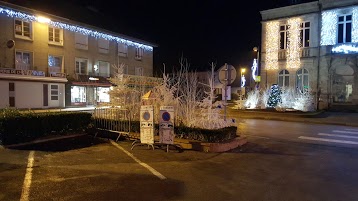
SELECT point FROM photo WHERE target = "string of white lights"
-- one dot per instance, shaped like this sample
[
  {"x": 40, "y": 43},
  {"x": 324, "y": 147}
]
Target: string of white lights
[
  {"x": 293, "y": 43},
  {"x": 74, "y": 28},
  {"x": 329, "y": 27},
  {"x": 272, "y": 41},
  {"x": 355, "y": 25}
]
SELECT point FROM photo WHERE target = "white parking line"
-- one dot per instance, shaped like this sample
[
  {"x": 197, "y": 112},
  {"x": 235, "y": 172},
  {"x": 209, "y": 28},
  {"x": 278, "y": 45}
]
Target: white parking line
[
  {"x": 328, "y": 140},
  {"x": 28, "y": 176},
  {"x": 350, "y": 132},
  {"x": 152, "y": 170},
  {"x": 351, "y": 129},
  {"x": 335, "y": 135}
]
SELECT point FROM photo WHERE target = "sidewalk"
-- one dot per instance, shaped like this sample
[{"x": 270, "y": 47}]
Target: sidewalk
[{"x": 320, "y": 117}]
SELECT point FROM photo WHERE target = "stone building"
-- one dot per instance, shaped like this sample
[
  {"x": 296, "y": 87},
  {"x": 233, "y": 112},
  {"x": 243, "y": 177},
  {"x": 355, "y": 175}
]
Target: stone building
[
  {"x": 313, "y": 47},
  {"x": 47, "y": 61}
]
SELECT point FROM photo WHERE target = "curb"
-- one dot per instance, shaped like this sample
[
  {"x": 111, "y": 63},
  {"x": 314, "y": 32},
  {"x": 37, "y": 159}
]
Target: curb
[
  {"x": 201, "y": 146},
  {"x": 213, "y": 147}
]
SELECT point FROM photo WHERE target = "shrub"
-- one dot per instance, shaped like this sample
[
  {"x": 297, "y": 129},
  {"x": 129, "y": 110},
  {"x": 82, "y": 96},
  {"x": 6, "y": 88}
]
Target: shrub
[{"x": 17, "y": 127}]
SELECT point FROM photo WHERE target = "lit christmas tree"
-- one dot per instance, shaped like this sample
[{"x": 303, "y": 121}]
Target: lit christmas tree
[{"x": 275, "y": 96}]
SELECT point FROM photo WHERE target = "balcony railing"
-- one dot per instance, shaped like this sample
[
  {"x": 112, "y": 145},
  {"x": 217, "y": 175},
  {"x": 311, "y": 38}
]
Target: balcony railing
[{"x": 304, "y": 52}]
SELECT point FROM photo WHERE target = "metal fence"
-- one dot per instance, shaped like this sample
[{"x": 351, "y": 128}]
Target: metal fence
[{"x": 114, "y": 120}]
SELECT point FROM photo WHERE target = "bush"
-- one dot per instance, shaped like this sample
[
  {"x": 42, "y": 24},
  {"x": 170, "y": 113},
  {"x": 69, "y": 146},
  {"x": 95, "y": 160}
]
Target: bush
[{"x": 17, "y": 127}]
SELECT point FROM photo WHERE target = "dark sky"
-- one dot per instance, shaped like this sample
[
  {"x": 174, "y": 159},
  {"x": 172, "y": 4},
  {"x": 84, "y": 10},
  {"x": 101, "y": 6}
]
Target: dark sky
[{"x": 219, "y": 31}]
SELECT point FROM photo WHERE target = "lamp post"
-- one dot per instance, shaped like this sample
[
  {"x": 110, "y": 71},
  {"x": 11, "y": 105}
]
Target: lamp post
[
  {"x": 257, "y": 49},
  {"x": 243, "y": 80}
]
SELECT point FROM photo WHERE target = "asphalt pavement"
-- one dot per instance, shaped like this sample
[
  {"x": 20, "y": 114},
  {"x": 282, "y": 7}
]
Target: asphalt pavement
[{"x": 319, "y": 117}]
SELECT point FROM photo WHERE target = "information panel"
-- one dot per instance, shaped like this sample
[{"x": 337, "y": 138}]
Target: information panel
[
  {"x": 147, "y": 124},
  {"x": 166, "y": 125}
]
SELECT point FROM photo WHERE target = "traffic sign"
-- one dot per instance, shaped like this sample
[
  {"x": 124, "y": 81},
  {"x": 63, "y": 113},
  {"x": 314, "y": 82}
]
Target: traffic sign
[{"x": 227, "y": 74}]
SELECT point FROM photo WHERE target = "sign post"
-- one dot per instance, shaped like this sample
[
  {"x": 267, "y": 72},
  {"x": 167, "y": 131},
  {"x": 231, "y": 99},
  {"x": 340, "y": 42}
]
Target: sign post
[
  {"x": 146, "y": 126},
  {"x": 166, "y": 125},
  {"x": 227, "y": 75}
]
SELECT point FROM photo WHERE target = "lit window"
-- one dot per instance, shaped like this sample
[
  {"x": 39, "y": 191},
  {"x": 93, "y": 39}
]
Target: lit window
[
  {"x": 23, "y": 60},
  {"x": 55, "y": 35},
  {"x": 23, "y": 29},
  {"x": 284, "y": 78},
  {"x": 302, "y": 81},
  {"x": 81, "y": 66},
  {"x": 345, "y": 29},
  {"x": 103, "y": 95}
]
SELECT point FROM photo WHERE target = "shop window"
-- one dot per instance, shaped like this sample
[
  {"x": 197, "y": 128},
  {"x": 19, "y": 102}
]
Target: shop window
[
  {"x": 78, "y": 94},
  {"x": 103, "y": 95}
]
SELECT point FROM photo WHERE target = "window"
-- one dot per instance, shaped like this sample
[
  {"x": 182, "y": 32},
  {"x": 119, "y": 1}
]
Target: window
[
  {"x": 283, "y": 36},
  {"x": 54, "y": 92},
  {"x": 81, "y": 66},
  {"x": 78, "y": 94},
  {"x": 103, "y": 95},
  {"x": 139, "y": 71},
  {"x": 23, "y": 60},
  {"x": 283, "y": 78},
  {"x": 138, "y": 53},
  {"x": 103, "y": 68},
  {"x": 55, "y": 36},
  {"x": 122, "y": 50},
  {"x": 305, "y": 34},
  {"x": 54, "y": 64},
  {"x": 103, "y": 46},
  {"x": 81, "y": 41},
  {"x": 302, "y": 82},
  {"x": 345, "y": 29},
  {"x": 23, "y": 29}
]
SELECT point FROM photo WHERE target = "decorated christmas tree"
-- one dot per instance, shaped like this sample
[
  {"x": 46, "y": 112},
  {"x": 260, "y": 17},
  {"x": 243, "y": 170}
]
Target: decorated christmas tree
[{"x": 275, "y": 96}]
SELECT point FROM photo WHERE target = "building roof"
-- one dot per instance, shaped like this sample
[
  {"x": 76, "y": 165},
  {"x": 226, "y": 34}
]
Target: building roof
[{"x": 78, "y": 14}]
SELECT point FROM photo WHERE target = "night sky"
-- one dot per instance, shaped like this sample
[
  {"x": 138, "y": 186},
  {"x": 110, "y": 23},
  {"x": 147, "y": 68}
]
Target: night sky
[{"x": 202, "y": 32}]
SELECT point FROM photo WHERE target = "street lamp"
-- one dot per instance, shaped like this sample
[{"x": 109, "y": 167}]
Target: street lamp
[
  {"x": 256, "y": 65},
  {"x": 243, "y": 81}
]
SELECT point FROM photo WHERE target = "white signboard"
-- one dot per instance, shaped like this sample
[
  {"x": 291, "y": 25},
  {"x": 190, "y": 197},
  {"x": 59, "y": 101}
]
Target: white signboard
[
  {"x": 147, "y": 124},
  {"x": 166, "y": 125},
  {"x": 228, "y": 93}
]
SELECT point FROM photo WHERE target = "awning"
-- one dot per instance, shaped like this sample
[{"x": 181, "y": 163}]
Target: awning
[{"x": 96, "y": 84}]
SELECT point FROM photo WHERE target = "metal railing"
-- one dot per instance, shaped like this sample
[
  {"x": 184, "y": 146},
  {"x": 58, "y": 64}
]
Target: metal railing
[{"x": 114, "y": 120}]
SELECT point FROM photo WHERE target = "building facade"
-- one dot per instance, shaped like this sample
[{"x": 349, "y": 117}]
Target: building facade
[
  {"x": 313, "y": 47},
  {"x": 47, "y": 61}
]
